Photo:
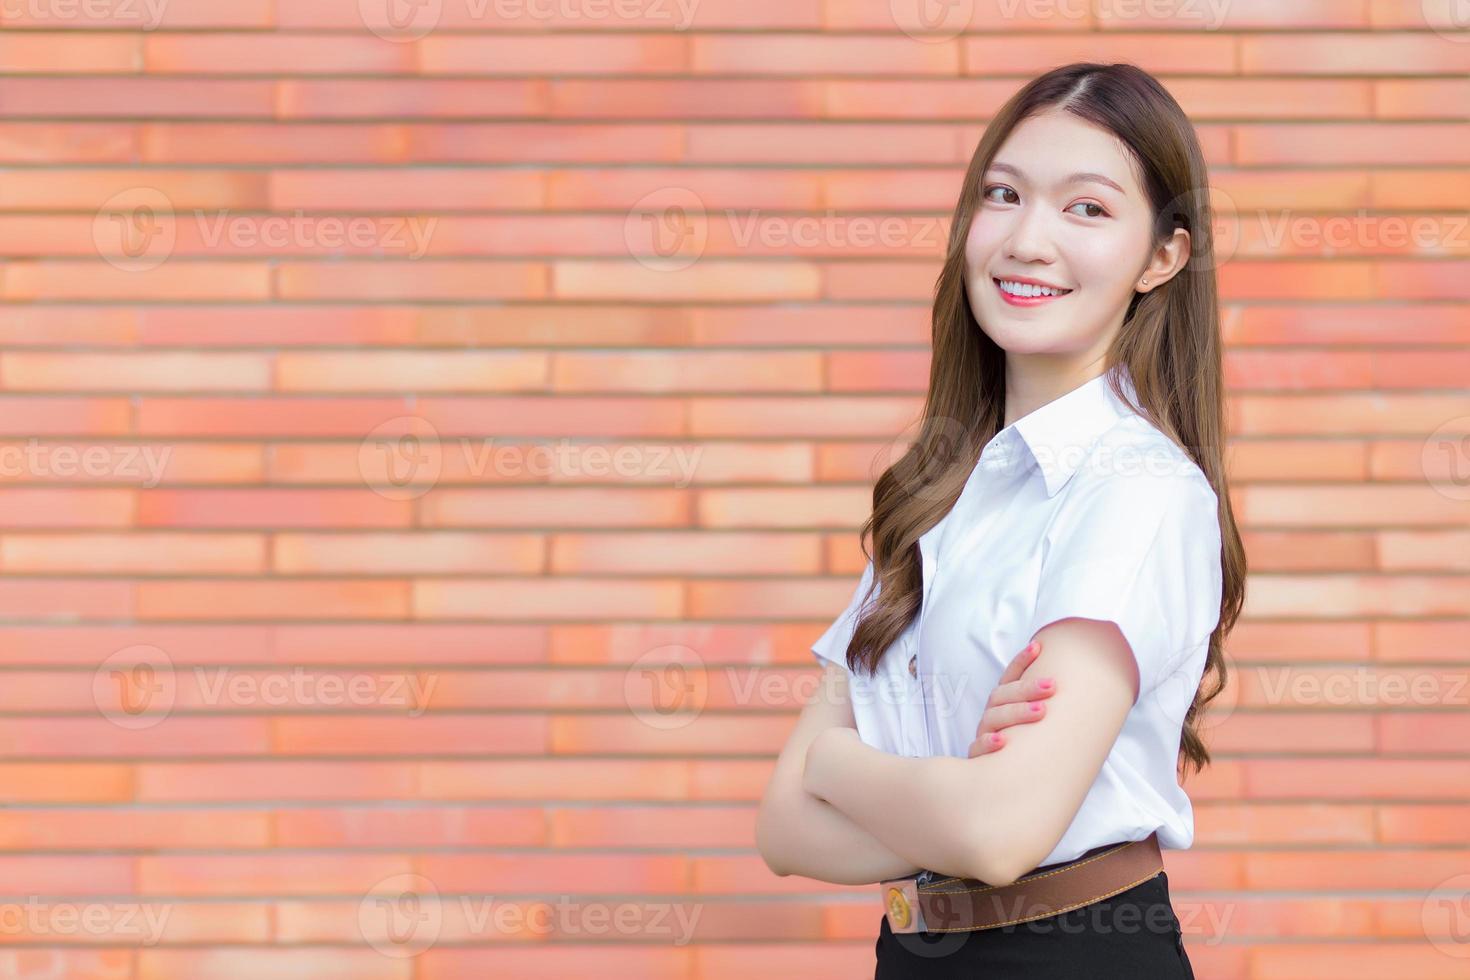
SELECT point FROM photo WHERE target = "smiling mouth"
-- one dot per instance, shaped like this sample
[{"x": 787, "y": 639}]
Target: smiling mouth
[{"x": 1022, "y": 299}]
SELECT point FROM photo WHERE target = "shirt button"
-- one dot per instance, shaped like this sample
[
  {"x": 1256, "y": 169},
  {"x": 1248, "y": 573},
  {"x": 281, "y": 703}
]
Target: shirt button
[{"x": 914, "y": 665}]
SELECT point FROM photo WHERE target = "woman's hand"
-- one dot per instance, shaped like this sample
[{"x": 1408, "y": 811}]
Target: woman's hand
[{"x": 1013, "y": 702}]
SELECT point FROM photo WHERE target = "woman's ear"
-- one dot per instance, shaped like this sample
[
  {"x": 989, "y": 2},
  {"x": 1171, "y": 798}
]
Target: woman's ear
[{"x": 1166, "y": 261}]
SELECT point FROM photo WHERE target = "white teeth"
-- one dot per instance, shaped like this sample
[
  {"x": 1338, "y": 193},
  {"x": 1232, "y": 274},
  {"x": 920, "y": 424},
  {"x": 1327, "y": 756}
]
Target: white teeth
[{"x": 1026, "y": 289}]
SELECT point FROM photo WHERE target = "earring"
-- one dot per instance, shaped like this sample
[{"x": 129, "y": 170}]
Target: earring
[{"x": 1145, "y": 282}]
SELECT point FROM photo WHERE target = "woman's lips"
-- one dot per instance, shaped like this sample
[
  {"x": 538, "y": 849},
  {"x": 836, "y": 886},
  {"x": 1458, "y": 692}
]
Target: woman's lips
[{"x": 1026, "y": 300}]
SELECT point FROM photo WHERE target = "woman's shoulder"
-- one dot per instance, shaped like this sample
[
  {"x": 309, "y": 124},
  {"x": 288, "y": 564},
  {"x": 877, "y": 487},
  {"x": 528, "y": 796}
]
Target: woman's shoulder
[
  {"x": 1134, "y": 473},
  {"x": 1134, "y": 456}
]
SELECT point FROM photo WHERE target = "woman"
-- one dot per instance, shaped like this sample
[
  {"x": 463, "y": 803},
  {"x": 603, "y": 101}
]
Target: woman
[{"x": 1065, "y": 498}]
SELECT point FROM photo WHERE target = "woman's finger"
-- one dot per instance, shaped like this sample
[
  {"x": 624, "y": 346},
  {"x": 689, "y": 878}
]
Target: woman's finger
[
  {"x": 1030, "y": 689},
  {"x": 1007, "y": 715},
  {"x": 989, "y": 742},
  {"x": 1020, "y": 662}
]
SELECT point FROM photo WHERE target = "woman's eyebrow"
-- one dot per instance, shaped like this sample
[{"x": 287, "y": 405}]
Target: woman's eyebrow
[{"x": 1077, "y": 178}]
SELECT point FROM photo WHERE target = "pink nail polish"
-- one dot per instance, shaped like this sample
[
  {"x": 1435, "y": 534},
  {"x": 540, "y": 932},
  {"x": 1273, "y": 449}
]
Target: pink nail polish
[
  {"x": 1035, "y": 707},
  {"x": 994, "y": 739},
  {"x": 1044, "y": 685}
]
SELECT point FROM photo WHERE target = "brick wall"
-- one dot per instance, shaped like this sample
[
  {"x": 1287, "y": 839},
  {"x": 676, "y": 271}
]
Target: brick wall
[{"x": 433, "y": 437}]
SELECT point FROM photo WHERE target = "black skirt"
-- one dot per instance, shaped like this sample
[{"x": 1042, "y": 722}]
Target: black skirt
[{"x": 1128, "y": 936}]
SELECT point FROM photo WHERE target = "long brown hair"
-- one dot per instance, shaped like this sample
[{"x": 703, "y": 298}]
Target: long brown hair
[{"x": 1170, "y": 342}]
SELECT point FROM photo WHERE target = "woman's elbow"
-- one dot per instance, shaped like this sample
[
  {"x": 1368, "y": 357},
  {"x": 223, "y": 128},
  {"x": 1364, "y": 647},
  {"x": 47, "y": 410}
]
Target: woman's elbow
[
  {"x": 769, "y": 843},
  {"x": 986, "y": 859},
  {"x": 770, "y": 853}
]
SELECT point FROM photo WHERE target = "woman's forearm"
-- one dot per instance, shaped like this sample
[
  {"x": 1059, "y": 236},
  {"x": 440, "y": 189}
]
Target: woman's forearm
[
  {"x": 800, "y": 834},
  {"x": 892, "y": 797},
  {"x": 797, "y": 833}
]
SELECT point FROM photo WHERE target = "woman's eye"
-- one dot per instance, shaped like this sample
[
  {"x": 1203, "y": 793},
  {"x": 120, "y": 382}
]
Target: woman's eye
[{"x": 1006, "y": 190}]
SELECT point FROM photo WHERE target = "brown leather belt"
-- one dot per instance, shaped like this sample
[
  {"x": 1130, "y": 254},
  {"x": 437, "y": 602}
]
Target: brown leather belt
[{"x": 926, "y": 903}]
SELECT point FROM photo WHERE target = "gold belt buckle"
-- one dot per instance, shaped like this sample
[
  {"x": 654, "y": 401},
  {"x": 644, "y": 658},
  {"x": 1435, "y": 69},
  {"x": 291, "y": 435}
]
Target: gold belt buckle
[{"x": 901, "y": 905}]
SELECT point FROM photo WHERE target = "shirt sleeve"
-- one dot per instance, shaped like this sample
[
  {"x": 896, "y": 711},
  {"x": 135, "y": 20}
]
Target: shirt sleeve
[
  {"x": 832, "y": 645},
  {"x": 1143, "y": 553}
]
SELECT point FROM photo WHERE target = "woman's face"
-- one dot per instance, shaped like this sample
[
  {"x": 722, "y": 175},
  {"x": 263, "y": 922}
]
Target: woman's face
[{"x": 1036, "y": 220}]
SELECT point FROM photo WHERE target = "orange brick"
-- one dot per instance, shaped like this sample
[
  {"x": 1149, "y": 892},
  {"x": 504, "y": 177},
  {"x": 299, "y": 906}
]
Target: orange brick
[
  {"x": 273, "y": 599},
  {"x": 135, "y": 372},
  {"x": 23, "y": 52},
  {"x": 74, "y": 782},
  {"x": 409, "y": 371},
  {"x": 450, "y": 54},
  {"x": 273, "y": 54},
  {"x": 135, "y": 554},
  {"x": 123, "y": 97}
]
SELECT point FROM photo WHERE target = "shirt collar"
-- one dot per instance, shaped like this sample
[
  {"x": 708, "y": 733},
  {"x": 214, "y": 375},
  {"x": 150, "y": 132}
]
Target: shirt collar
[{"x": 1060, "y": 433}]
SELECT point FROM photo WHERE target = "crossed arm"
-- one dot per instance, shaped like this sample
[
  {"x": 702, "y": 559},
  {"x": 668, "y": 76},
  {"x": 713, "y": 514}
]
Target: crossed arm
[
  {"x": 798, "y": 833},
  {"x": 839, "y": 810}
]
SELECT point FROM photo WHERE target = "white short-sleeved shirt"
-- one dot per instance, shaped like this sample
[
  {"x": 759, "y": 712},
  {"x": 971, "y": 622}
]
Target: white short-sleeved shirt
[{"x": 1081, "y": 508}]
